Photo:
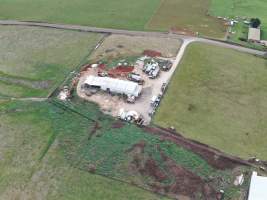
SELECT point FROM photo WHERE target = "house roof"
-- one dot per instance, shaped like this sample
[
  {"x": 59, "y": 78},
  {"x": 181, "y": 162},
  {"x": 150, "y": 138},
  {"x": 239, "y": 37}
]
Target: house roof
[
  {"x": 258, "y": 187},
  {"x": 115, "y": 85},
  {"x": 254, "y": 34}
]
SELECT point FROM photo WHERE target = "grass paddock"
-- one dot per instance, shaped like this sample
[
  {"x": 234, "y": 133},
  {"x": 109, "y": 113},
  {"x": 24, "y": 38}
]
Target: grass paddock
[{"x": 218, "y": 96}]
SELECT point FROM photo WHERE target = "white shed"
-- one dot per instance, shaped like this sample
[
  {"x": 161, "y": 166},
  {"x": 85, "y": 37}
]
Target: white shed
[
  {"x": 258, "y": 187},
  {"x": 114, "y": 85},
  {"x": 254, "y": 34}
]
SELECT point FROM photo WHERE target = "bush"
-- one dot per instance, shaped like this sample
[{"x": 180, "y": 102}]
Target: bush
[
  {"x": 255, "y": 22},
  {"x": 242, "y": 39}
]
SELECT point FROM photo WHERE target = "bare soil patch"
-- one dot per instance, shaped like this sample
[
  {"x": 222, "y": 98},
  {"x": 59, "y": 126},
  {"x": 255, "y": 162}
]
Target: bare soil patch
[
  {"x": 214, "y": 157},
  {"x": 118, "y": 124},
  {"x": 116, "y": 46},
  {"x": 171, "y": 179}
]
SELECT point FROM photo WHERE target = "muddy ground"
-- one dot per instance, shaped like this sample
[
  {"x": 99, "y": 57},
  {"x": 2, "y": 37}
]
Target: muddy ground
[
  {"x": 173, "y": 180},
  {"x": 214, "y": 157}
]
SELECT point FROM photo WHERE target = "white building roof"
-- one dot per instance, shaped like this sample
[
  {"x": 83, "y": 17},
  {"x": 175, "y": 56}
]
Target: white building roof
[
  {"x": 254, "y": 34},
  {"x": 258, "y": 187},
  {"x": 114, "y": 85}
]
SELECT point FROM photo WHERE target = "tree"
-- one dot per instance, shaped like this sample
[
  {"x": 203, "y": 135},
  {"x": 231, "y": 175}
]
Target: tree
[{"x": 255, "y": 22}]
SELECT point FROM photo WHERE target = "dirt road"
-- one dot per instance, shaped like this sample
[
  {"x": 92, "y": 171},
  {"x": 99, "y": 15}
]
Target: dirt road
[{"x": 132, "y": 33}]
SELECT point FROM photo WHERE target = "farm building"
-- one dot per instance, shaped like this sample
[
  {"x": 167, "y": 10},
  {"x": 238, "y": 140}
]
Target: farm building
[
  {"x": 258, "y": 187},
  {"x": 113, "y": 85},
  {"x": 254, "y": 34}
]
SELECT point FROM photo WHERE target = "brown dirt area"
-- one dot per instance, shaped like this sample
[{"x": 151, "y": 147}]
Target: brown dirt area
[
  {"x": 214, "y": 157},
  {"x": 116, "y": 46},
  {"x": 172, "y": 180}
]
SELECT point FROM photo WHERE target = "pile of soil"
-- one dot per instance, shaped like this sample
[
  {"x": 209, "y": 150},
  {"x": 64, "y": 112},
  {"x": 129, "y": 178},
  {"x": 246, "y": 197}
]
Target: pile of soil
[
  {"x": 152, "y": 53},
  {"x": 120, "y": 71},
  {"x": 117, "y": 124}
]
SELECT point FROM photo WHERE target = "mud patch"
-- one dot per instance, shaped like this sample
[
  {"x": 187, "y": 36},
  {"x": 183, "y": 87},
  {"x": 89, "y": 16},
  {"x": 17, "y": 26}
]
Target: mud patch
[
  {"x": 164, "y": 176},
  {"x": 94, "y": 129},
  {"x": 214, "y": 157},
  {"x": 27, "y": 83},
  {"x": 118, "y": 124}
]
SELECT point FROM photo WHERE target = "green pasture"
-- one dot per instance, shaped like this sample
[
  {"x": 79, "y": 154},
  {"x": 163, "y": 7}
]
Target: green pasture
[
  {"x": 122, "y": 14},
  {"x": 187, "y": 16},
  {"x": 33, "y": 61},
  {"x": 51, "y": 146},
  {"x": 33, "y": 165},
  {"x": 218, "y": 96}
]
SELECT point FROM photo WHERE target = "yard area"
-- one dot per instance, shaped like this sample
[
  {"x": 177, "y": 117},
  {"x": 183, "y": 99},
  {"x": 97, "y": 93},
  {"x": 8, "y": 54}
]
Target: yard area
[
  {"x": 219, "y": 97},
  {"x": 122, "y": 14},
  {"x": 33, "y": 61},
  {"x": 188, "y": 16},
  {"x": 244, "y": 8},
  {"x": 113, "y": 53}
]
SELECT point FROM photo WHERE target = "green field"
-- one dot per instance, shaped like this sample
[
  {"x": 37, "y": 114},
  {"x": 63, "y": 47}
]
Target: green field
[
  {"x": 122, "y": 14},
  {"x": 186, "y": 15},
  {"x": 33, "y": 165},
  {"x": 218, "y": 96},
  {"x": 33, "y": 61},
  {"x": 244, "y": 8},
  {"x": 46, "y": 147}
]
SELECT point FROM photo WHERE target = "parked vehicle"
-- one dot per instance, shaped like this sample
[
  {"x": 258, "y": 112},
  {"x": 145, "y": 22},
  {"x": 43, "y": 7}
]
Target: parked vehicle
[
  {"x": 136, "y": 78},
  {"x": 163, "y": 87},
  {"x": 152, "y": 69},
  {"x": 131, "y": 117},
  {"x": 155, "y": 100},
  {"x": 165, "y": 65}
]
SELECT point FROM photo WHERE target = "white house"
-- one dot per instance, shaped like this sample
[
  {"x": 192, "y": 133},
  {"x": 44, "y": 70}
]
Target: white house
[{"x": 113, "y": 85}]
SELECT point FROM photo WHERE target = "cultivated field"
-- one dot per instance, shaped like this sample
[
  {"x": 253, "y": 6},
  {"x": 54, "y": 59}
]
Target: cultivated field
[
  {"x": 122, "y": 14},
  {"x": 244, "y": 8},
  {"x": 32, "y": 161},
  {"x": 219, "y": 97},
  {"x": 33, "y": 61},
  {"x": 61, "y": 150},
  {"x": 187, "y": 16}
]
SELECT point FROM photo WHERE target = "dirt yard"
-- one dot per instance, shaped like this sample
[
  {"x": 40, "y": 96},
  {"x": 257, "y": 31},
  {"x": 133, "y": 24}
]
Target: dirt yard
[
  {"x": 112, "y": 104},
  {"x": 119, "y": 46}
]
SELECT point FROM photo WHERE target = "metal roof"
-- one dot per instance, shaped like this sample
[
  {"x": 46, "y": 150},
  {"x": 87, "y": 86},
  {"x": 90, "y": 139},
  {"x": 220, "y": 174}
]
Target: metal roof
[
  {"x": 254, "y": 34},
  {"x": 258, "y": 187},
  {"x": 114, "y": 85}
]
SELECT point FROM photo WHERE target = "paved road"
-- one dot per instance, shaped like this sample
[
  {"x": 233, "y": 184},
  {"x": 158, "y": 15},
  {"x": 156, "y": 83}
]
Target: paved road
[{"x": 132, "y": 33}]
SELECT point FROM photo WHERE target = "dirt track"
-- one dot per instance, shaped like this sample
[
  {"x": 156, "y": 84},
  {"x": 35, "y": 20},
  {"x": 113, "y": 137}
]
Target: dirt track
[
  {"x": 131, "y": 33},
  {"x": 213, "y": 156}
]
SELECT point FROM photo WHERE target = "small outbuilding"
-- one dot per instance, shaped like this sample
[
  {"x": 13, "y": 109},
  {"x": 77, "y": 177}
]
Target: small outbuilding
[
  {"x": 258, "y": 187},
  {"x": 254, "y": 34},
  {"x": 113, "y": 85}
]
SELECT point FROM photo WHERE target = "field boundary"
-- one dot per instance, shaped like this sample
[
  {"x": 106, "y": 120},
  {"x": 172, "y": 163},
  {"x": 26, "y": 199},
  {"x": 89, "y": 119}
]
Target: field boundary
[
  {"x": 155, "y": 12},
  {"x": 77, "y": 68},
  {"x": 189, "y": 144}
]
